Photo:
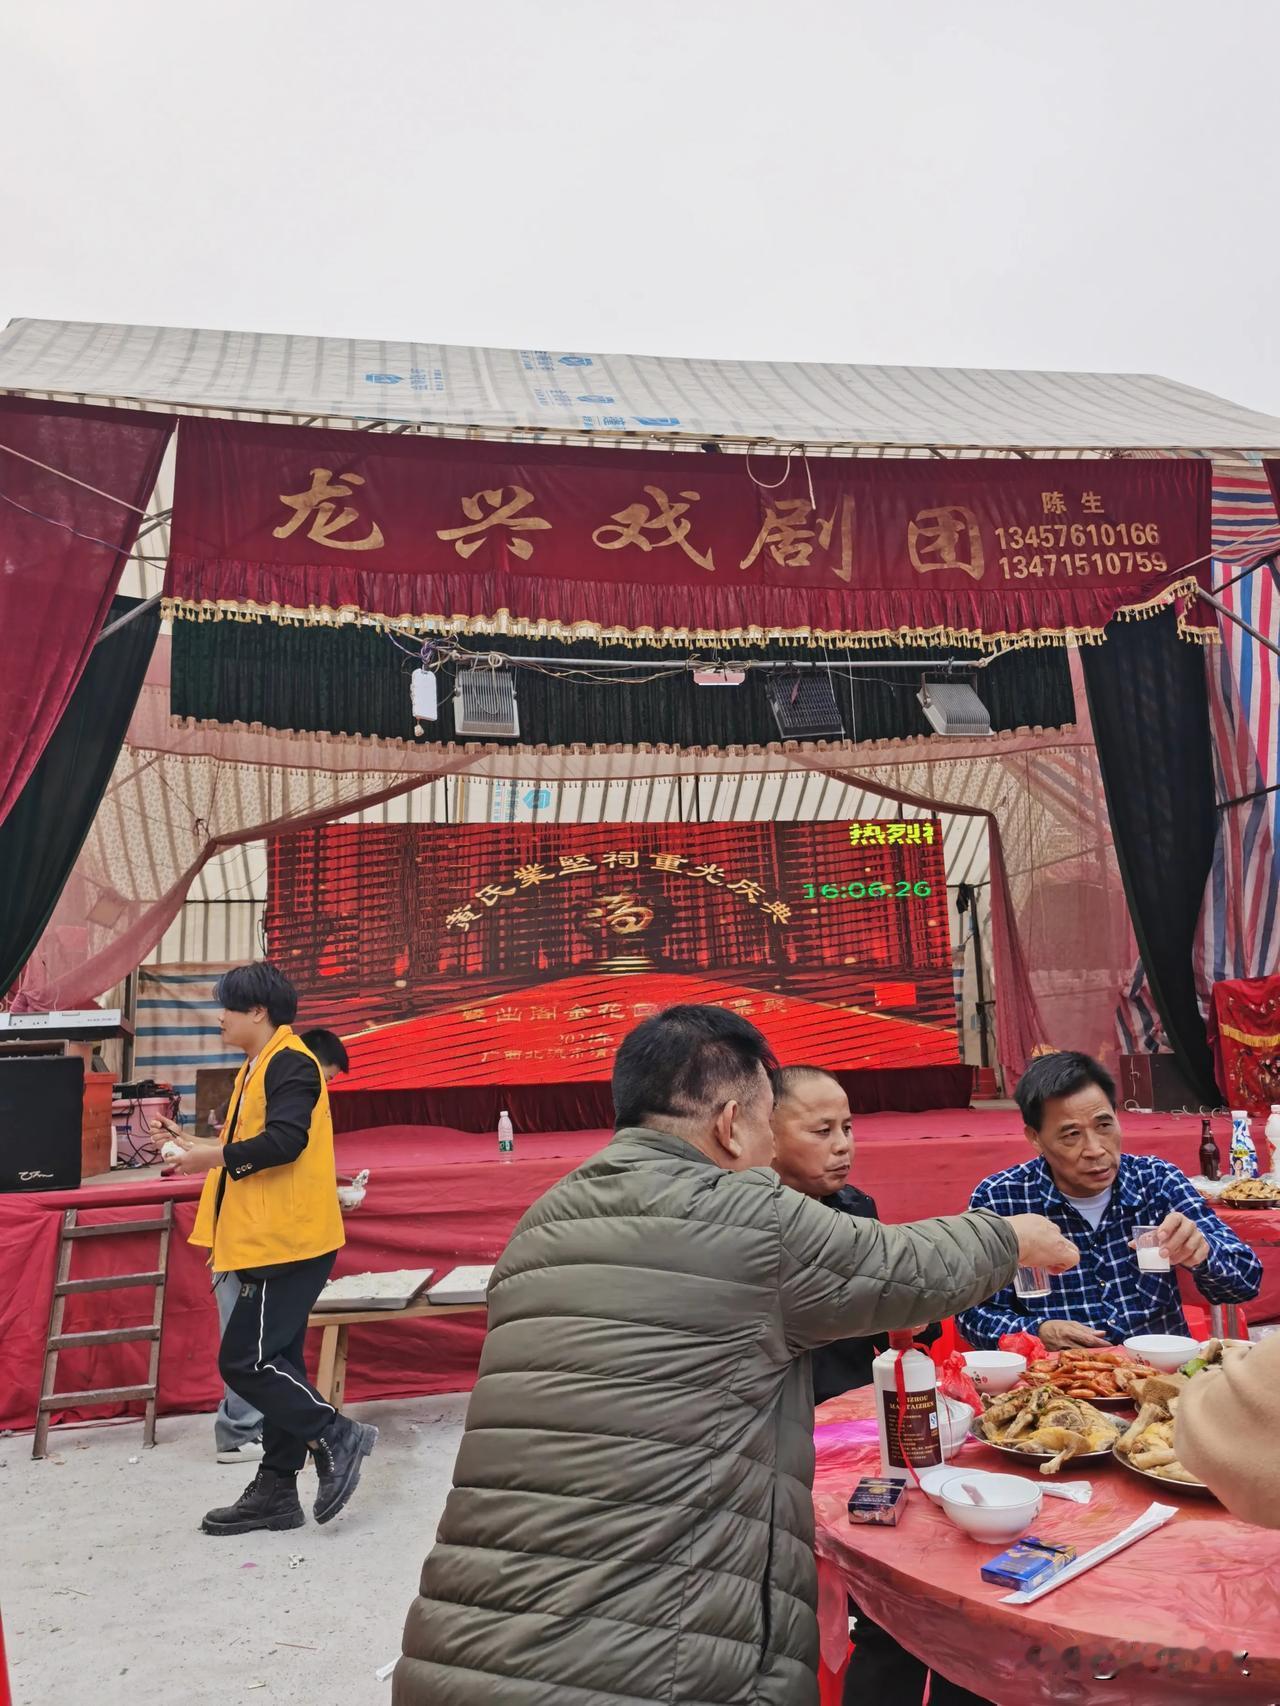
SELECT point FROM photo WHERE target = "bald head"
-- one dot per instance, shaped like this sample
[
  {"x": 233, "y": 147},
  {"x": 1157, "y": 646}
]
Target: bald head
[{"x": 812, "y": 1130}]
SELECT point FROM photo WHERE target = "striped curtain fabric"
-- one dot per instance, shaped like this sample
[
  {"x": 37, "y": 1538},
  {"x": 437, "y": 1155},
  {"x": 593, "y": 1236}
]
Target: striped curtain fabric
[
  {"x": 1239, "y": 928},
  {"x": 177, "y": 1028}
]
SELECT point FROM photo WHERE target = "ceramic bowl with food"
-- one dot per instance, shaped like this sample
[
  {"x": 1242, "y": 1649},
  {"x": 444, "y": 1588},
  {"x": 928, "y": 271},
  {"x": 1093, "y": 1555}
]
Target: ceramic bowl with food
[
  {"x": 1008, "y": 1507},
  {"x": 1165, "y": 1351},
  {"x": 995, "y": 1371}
]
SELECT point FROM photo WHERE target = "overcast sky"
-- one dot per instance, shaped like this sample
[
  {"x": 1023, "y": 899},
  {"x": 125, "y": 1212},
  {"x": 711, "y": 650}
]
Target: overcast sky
[{"x": 1088, "y": 185}]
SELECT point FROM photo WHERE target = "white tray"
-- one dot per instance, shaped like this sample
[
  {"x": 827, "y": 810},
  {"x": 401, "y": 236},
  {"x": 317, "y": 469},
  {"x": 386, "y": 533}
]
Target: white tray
[
  {"x": 463, "y": 1285},
  {"x": 396, "y": 1289}
]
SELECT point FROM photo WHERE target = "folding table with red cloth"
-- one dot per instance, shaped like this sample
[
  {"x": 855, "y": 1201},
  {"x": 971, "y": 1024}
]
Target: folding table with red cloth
[
  {"x": 1186, "y": 1617},
  {"x": 1244, "y": 1033}
]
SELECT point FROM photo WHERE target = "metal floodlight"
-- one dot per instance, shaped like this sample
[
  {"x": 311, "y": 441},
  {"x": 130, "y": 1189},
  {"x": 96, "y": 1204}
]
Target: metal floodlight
[
  {"x": 486, "y": 704},
  {"x": 953, "y": 708},
  {"x": 804, "y": 706}
]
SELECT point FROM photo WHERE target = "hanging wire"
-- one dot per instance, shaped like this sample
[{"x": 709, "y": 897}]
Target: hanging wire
[{"x": 61, "y": 474}]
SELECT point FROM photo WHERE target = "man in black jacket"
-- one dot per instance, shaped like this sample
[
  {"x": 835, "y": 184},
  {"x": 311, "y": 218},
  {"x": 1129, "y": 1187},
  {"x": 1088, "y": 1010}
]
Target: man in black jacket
[{"x": 813, "y": 1153}]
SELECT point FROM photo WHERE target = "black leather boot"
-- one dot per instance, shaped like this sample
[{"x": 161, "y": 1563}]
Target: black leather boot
[
  {"x": 269, "y": 1501},
  {"x": 339, "y": 1452}
]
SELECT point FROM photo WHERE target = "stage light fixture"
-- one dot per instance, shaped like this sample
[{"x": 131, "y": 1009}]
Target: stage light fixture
[
  {"x": 804, "y": 706},
  {"x": 485, "y": 705},
  {"x": 953, "y": 708}
]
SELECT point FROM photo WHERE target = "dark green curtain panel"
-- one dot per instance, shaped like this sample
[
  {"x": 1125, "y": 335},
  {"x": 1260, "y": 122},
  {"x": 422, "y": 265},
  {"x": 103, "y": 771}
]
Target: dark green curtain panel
[
  {"x": 43, "y": 834},
  {"x": 355, "y": 681},
  {"x": 1150, "y": 706}
]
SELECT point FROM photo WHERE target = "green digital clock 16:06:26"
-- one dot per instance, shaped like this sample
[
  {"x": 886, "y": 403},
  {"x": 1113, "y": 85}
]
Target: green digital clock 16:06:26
[{"x": 867, "y": 891}]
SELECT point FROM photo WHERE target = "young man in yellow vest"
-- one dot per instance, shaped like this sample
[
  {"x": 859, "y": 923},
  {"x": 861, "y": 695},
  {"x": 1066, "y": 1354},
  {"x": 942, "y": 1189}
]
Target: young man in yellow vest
[{"x": 269, "y": 1213}]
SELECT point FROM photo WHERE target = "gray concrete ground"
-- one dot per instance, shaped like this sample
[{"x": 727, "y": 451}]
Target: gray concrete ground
[{"x": 110, "y": 1594}]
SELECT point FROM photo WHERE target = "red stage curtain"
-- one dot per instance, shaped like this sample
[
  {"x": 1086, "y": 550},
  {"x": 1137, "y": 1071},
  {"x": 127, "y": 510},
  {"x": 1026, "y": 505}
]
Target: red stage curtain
[
  {"x": 58, "y": 583},
  {"x": 589, "y": 1107}
]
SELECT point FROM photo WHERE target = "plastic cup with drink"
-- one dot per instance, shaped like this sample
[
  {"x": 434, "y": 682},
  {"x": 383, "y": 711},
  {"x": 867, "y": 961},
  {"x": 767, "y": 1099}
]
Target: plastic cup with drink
[{"x": 1152, "y": 1258}]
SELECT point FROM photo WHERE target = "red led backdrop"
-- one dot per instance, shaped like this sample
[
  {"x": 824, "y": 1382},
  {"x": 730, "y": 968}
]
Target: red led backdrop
[{"x": 495, "y": 954}]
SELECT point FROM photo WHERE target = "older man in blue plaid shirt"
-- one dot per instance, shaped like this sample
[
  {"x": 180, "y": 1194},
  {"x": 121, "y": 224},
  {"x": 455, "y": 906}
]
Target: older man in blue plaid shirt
[{"x": 1081, "y": 1180}]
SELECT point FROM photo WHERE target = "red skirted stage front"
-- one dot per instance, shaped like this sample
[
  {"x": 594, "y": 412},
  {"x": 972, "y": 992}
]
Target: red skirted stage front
[{"x": 438, "y": 1198}]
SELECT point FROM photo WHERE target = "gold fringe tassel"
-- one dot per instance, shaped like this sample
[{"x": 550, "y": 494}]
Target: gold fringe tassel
[{"x": 504, "y": 624}]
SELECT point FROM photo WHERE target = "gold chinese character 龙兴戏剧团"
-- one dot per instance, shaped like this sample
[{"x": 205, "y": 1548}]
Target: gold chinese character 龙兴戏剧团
[
  {"x": 662, "y": 516},
  {"x": 317, "y": 504},
  {"x": 946, "y": 538},
  {"x": 791, "y": 528},
  {"x": 487, "y": 510}
]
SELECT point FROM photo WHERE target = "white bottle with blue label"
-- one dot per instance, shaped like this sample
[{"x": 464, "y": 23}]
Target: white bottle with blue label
[{"x": 1244, "y": 1156}]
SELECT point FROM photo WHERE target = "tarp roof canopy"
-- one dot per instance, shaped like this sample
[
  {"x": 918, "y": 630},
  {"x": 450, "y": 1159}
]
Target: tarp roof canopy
[{"x": 576, "y": 395}]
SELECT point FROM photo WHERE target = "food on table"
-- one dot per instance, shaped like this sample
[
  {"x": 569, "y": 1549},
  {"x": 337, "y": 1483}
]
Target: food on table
[
  {"x": 1250, "y": 1193},
  {"x": 1088, "y": 1373},
  {"x": 1147, "y": 1444},
  {"x": 1047, "y": 1423}
]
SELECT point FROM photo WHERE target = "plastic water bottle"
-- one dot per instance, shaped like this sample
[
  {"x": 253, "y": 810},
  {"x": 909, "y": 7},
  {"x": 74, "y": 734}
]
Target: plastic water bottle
[
  {"x": 506, "y": 1137},
  {"x": 1244, "y": 1157}
]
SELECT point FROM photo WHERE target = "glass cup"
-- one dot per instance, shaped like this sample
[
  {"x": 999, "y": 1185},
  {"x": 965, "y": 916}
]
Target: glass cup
[
  {"x": 1146, "y": 1247},
  {"x": 1031, "y": 1282}
]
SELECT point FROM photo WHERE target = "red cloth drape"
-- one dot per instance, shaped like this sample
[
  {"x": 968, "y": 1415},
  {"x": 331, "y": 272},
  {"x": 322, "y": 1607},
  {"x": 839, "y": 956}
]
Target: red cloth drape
[
  {"x": 56, "y": 584},
  {"x": 1244, "y": 1033}
]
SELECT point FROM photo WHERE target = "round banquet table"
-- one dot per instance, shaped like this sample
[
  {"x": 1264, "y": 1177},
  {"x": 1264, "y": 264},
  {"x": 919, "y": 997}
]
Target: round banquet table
[{"x": 1189, "y": 1616}]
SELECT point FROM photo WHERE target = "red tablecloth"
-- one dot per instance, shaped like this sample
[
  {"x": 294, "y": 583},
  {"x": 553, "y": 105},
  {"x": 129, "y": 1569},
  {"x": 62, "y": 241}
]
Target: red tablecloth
[
  {"x": 1167, "y": 1623},
  {"x": 435, "y": 1198},
  {"x": 436, "y": 1215}
]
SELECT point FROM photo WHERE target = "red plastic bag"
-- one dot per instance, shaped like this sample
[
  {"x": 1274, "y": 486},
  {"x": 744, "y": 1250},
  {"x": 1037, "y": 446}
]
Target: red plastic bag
[
  {"x": 954, "y": 1382},
  {"x": 1024, "y": 1345}
]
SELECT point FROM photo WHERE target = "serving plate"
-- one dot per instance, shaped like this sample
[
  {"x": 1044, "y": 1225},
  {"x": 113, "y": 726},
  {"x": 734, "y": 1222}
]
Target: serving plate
[
  {"x": 1170, "y": 1486},
  {"x": 1037, "y": 1456},
  {"x": 1121, "y": 1401}
]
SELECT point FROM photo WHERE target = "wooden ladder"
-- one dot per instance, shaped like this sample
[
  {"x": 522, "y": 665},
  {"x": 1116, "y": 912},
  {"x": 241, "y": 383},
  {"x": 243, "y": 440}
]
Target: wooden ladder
[{"x": 56, "y": 1340}]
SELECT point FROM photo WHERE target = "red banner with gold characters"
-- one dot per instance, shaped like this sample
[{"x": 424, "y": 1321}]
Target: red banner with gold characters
[{"x": 453, "y": 536}]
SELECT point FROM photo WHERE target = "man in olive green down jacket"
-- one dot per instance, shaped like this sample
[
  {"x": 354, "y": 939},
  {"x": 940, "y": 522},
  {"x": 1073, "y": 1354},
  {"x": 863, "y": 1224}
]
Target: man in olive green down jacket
[{"x": 631, "y": 1517}]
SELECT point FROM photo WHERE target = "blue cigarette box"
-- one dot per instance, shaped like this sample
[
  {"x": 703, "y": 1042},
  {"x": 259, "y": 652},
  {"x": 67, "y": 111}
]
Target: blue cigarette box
[
  {"x": 1028, "y": 1563},
  {"x": 877, "y": 1499}
]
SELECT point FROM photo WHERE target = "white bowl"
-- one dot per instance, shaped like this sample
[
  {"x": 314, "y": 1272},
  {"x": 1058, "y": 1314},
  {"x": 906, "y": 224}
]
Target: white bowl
[
  {"x": 1165, "y": 1351},
  {"x": 995, "y": 1371},
  {"x": 1011, "y": 1506},
  {"x": 932, "y": 1481},
  {"x": 954, "y": 1422}
]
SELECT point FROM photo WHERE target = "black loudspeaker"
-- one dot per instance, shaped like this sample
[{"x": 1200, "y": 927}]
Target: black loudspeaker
[{"x": 41, "y": 1116}]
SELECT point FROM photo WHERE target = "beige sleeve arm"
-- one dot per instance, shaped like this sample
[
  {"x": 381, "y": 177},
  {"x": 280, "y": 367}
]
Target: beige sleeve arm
[{"x": 1228, "y": 1433}]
